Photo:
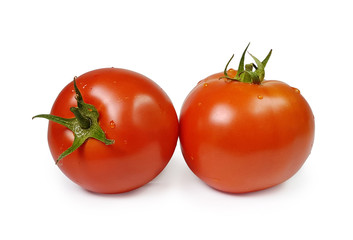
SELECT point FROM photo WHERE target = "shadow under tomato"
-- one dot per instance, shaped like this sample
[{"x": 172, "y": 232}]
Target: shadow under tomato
[
  {"x": 272, "y": 190},
  {"x": 159, "y": 184},
  {"x": 296, "y": 183}
]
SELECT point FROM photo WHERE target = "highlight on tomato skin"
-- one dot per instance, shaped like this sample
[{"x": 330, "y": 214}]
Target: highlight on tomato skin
[
  {"x": 138, "y": 136},
  {"x": 242, "y": 137}
]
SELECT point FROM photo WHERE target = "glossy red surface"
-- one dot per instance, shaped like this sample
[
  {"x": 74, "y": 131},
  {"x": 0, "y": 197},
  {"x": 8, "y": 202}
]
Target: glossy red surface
[
  {"x": 135, "y": 112},
  {"x": 240, "y": 137}
]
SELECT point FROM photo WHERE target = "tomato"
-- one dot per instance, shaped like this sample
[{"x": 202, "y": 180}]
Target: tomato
[
  {"x": 134, "y": 113},
  {"x": 241, "y": 137}
]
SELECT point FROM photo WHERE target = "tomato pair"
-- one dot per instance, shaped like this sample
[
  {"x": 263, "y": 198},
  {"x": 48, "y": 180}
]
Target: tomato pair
[{"x": 238, "y": 132}]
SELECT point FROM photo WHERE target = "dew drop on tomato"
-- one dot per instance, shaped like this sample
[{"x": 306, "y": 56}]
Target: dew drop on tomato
[
  {"x": 112, "y": 124},
  {"x": 231, "y": 73},
  {"x": 296, "y": 90}
]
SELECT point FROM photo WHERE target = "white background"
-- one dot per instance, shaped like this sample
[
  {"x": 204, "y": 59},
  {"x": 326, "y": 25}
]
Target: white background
[{"x": 44, "y": 44}]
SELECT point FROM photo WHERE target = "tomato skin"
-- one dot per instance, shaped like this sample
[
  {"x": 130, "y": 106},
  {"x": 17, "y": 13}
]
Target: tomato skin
[
  {"x": 135, "y": 112},
  {"x": 240, "y": 137}
]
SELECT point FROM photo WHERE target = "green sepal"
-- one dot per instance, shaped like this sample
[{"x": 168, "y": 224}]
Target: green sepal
[
  {"x": 241, "y": 64},
  {"x": 259, "y": 74},
  {"x": 84, "y": 125},
  {"x": 264, "y": 62},
  {"x": 247, "y": 75},
  {"x": 226, "y": 68}
]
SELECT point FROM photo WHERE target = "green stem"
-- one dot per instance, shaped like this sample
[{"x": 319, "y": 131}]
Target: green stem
[
  {"x": 249, "y": 67},
  {"x": 84, "y": 122},
  {"x": 247, "y": 75},
  {"x": 84, "y": 125}
]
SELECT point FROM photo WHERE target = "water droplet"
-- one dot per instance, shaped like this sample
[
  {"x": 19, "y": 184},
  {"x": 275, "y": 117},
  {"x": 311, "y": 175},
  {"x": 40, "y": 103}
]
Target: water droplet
[
  {"x": 296, "y": 90},
  {"x": 205, "y": 84},
  {"x": 231, "y": 72},
  {"x": 84, "y": 86},
  {"x": 260, "y": 97},
  {"x": 112, "y": 124}
]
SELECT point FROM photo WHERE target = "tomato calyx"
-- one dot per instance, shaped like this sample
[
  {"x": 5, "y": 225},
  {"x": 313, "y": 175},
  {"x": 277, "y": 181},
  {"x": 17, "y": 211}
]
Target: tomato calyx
[
  {"x": 245, "y": 73},
  {"x": 84, "y": 125}
]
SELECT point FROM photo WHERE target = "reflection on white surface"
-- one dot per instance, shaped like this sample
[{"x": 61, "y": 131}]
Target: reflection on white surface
[{"x": 222, "y": 114}]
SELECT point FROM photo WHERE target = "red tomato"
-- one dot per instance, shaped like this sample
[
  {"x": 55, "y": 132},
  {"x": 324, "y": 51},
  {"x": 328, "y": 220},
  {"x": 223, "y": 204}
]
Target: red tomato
[
  {"x": 133, "y": 111},
  {"x": 241, "y": 137}
]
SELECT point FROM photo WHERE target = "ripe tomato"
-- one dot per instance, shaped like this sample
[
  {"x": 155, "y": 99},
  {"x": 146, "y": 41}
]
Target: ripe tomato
[
  {"x": 135, "y": 113},
  {"x": 241, "y": 137}
]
